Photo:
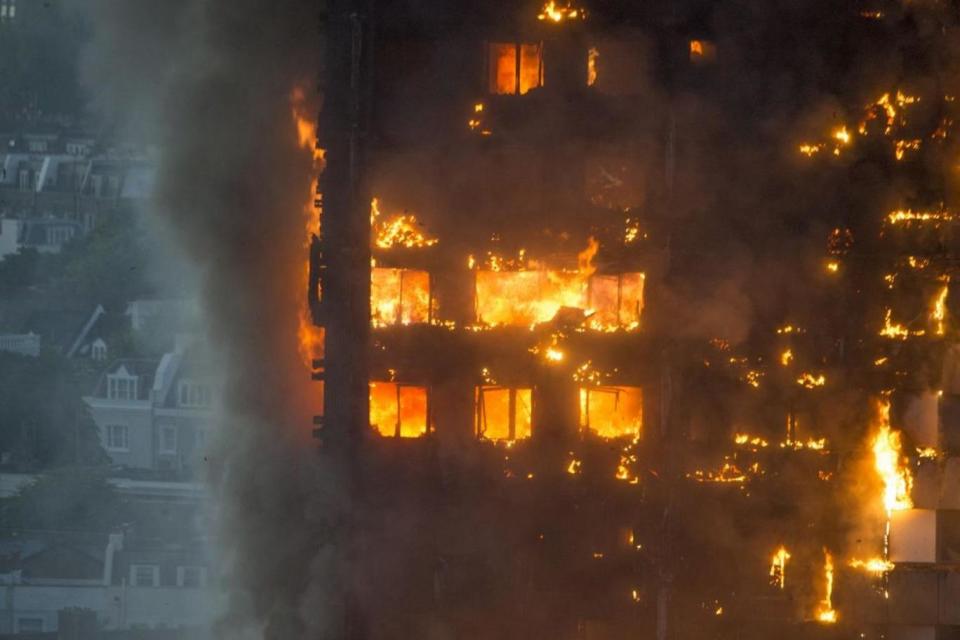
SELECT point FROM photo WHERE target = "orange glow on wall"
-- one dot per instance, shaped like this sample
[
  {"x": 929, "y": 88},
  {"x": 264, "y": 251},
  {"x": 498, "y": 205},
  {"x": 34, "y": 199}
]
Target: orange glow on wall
[
  {"x": 611, "y": 412},
  {"x": 503, "y": 413},
  {"x": 398, "y": 409}
]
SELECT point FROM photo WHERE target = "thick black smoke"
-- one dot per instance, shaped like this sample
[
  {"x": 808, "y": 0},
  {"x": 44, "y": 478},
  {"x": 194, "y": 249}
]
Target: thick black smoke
[{"x": 209, "y": 83}]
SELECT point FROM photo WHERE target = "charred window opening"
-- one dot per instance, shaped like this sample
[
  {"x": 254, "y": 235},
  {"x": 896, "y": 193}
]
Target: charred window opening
[
  {"x": 398, "y": 410},
  {"x": 503, "y": 413},
  {"x": 611, "y": 412},
  {"x": 399, "y": 296},
  {"x": 514, "y": 68}
]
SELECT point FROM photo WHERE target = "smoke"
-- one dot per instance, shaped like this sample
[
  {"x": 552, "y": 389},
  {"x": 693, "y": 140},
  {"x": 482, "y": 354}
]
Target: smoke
[{"x": 209, "y": 84}]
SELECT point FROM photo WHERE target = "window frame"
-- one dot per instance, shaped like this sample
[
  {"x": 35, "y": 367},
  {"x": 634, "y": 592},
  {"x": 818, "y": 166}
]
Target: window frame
[
  {"x": 155, "y": 573},
  {"x": 161, "y": 444},
  {"x": 518, "y": 54},
  {"x": 194, "y": 395},
  {"x": 129, "y": 386},
  {"x": 201, "y": 576},
  {"x": 98, "y": 350},
  {"x": 21, "y": 620},
  {"x": 125, "y": 430},
  {"x": 514, "y": 408}
]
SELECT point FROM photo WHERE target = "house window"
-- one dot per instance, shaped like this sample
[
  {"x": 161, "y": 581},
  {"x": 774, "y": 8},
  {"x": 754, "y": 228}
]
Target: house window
[
  {"x": 168, "y": 439},
  {"x": 611, "y": 412},
  {"x": 398, "y": 409},
  {"x": 59, "y": 235},
  {"x": 121, "y": 387},
  {"x": 117, "y": 437},
  {"x": 29, "y": 625},
  {"x": 514, "y": 68},
  {"x": 98, "y": 350},
  {"x": 144, "y": 575},
  {"x": 503, "y": 413},
  {"x": 192, "y": 394},
  {"x": 191, "y": 577},
  {"x": 23, "y": 180}
]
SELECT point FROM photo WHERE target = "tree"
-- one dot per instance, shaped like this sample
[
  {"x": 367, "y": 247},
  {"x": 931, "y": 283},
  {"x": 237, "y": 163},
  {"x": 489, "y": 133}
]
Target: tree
[
  {"x": 43, "y": 419},
  {"x": 69, "y": 499},
  {"x": 109, "y": 266}
]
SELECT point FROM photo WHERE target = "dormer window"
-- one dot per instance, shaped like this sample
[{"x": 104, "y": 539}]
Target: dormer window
[
  {"x": 8, "y": 9},
  {"x": 121, "y": 385},
  {"x": 194, "y": 394},
  {"x": 98, "y": 350}
]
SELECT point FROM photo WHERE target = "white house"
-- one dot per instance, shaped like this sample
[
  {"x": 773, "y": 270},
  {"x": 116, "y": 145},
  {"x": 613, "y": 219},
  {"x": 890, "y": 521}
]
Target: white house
[{"x": 154, "y": 414}]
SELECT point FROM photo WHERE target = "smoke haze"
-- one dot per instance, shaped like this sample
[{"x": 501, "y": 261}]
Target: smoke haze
[{"x": 209, "y": 84}]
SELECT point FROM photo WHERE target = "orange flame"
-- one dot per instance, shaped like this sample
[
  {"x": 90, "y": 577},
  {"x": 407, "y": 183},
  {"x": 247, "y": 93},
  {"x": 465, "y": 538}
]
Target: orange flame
[{"x": 310, "y": 338}]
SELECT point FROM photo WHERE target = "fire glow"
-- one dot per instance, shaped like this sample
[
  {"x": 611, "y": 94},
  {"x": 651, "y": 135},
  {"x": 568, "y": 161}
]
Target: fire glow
[
  {"x": 825, "y": 611},
  {"x": 889, "y": 463},
  {"x": 778, "y": 568},
  {"x": 531, "y": 296}
]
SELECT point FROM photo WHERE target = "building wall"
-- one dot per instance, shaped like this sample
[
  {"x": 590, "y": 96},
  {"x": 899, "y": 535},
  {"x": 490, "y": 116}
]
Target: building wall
[
  {"x": 8, "y": 236},
  {"x": 117, "y": 607},
  {"x": 138, "y": 418}
]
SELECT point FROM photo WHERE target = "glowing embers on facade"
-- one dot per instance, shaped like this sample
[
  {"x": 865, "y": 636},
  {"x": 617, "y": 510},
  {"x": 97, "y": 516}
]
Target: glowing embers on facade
[
  {"x": 399, "y": 296},
  {"x": 611, "y": 412},
  {"x": 398, "y": 410},
  {"x": 554, "y": 11},
  {"x": 503, "y": 413},
  {"x": 514, "y": 68}
]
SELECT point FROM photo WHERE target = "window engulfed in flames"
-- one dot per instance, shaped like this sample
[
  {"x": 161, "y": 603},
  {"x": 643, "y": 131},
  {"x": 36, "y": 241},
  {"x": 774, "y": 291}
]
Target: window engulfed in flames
[
  {"x": 398, "y": 410},
  {"x": 503, "y": 413},
  {"x": 526, "y": 298},
  {"x": 399, "y": 296},
  {"x": 617, "y": 300},
  {"x": 612, "y": 412},
  {"x": 515, "y": 68}
]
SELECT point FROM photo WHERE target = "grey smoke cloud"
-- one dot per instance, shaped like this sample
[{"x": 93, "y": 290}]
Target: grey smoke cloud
[{"x": 209, "y": 84}]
